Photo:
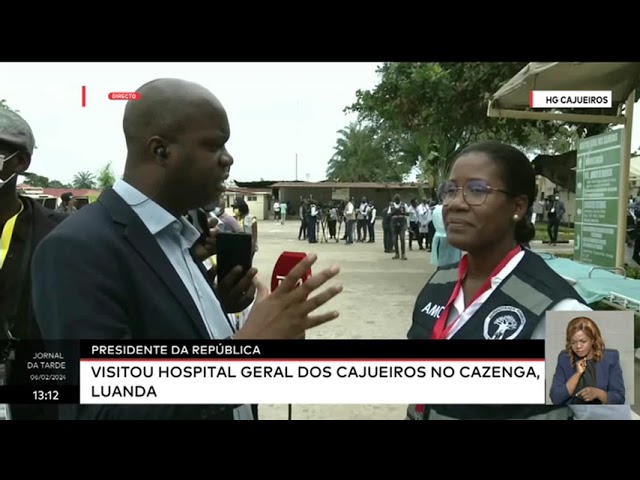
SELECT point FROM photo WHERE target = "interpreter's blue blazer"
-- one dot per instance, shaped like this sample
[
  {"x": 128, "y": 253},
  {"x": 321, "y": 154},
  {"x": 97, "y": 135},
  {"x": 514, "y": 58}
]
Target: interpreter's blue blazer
[{"x": 608, "y": 378}]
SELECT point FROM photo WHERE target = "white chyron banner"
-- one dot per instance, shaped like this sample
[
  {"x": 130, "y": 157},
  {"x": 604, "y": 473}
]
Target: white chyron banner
[
  {"x": 244, "y": 381},
  {"x": 570, "y": 99}
]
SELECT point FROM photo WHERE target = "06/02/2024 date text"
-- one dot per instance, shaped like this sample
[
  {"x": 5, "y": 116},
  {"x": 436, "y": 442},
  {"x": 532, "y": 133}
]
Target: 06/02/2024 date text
[{"x": 47, "y": 377}]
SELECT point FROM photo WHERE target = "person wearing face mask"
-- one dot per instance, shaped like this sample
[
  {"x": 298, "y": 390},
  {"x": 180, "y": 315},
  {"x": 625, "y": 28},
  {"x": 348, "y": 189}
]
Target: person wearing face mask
[
  {"x": 556, "y": 212},
  {"x": 23, "y": 223},
  {"x": 228, "y": 222}
]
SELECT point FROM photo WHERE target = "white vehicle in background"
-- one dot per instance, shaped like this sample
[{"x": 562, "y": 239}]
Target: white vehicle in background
[{"x": 38, "y": 194}]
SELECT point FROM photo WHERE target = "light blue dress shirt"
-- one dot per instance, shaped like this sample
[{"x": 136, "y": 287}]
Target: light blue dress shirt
[{"x": 176, "y": 237}]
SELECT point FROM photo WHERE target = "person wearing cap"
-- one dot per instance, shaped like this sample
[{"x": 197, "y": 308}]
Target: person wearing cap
[
  {"x": 23, "y": 223},
  {"x": 68, "y": 204}
]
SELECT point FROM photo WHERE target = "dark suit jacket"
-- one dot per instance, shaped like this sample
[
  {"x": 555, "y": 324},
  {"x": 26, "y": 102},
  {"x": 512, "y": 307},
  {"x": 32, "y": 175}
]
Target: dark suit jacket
[
  {"x": 386, "y": 218},
  {"x": 33, "y": 224},
  {"x": 102, "y": 275},
  {"x": 608, "y": 377},
  {"x": 559, "y": 209}
]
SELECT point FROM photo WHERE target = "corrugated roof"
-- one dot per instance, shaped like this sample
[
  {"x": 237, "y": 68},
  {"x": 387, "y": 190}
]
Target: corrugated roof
[
  {"x": 76, "y": 192},
  {"x": 248, "y": 191}
]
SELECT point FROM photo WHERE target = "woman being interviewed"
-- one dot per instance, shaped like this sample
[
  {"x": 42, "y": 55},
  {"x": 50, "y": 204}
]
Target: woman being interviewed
[{"x": 485, "y": 203}]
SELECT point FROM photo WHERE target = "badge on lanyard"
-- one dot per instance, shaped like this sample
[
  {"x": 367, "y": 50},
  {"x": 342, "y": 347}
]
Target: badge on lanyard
[{"x": 7, "y": 234}]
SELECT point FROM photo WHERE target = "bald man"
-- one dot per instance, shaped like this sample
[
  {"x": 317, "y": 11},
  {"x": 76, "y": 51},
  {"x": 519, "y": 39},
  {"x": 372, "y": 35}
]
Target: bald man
[{"x": 128, "y": 259}]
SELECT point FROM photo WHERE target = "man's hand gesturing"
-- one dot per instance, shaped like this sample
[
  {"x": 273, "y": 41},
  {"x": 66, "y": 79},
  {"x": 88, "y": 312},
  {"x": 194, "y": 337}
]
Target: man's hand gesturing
[{"x": 286, "y": 313}]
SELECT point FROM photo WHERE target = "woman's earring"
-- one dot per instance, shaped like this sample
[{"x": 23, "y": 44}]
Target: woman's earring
[{"x": 516, "y": 217}]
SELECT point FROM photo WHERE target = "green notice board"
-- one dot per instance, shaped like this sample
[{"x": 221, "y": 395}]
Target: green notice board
[{"x": 597, "y": 198}]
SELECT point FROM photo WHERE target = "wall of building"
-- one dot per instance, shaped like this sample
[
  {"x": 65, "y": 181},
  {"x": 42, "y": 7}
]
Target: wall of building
[{"x": 258, "y": 203}]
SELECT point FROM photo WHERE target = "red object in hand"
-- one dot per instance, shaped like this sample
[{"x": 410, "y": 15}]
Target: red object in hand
[{"x": 286, "y": 263}]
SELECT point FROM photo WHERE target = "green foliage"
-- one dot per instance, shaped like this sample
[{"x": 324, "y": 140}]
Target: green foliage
[
  {"x": 83, "y": 180},
  {"x": 440, "y": 107},
  {"x": 106, "y": 176},
  {"x": 564, "y": 233},
  {"x": 365, "y": 154}
]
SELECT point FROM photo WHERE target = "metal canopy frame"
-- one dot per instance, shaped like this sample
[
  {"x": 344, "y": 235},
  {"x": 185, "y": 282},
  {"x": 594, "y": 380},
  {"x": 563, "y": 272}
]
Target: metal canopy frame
[{"x": 622, "y": 79}]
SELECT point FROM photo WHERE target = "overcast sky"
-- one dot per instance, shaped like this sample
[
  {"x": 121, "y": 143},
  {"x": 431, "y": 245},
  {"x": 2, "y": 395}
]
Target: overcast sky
[{"x": 275, "y": 110}]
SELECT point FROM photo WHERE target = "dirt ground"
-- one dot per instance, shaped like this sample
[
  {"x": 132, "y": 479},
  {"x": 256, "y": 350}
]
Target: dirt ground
[{"x": 376, "y": 303}]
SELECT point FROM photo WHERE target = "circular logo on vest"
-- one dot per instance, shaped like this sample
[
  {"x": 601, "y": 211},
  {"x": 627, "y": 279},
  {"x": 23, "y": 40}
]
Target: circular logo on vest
[{"x": 504, "y": 323}]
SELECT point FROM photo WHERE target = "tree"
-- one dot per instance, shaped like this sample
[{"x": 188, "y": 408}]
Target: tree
[
  {"x": 106, "y": 177},
  {"x": 364, "y": 153},
  {"x": 443, "y": 108},
  {"x": 84, "y": 180},
  {"x": 36, "y": 180}
]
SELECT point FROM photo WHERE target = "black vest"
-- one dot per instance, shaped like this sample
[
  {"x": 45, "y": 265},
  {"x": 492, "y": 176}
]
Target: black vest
[{"x": 513, "y": 311}]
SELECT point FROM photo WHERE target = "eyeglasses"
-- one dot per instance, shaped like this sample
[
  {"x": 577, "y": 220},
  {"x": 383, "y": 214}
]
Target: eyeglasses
[{"x": 474, "y": 192}]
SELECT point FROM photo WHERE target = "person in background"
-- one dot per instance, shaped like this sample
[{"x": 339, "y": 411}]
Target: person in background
[
  {"x": 284, "y": 210},
  {"x": 442, "y": 252},
  {"x": 302, "y": 213},
  {"x": 24, "y": 223},
  {"x": 496, "y": 283},
  {"x": 554, "y": 219},
  {"x": 276, "y": 210},
  {"x": 387, "y": 235},
  {"x": 586, "y": 372},
  {"x": 350, "y": 220},
  {"x": 249, "y": 223},
  {"x": 228, "y": 223},
  {"x": 332, "y": 222},
  {"x": 361, "y": 216},
  {"x": 312, "y": 222},
  {"x": 431, "y": 227},
  {"x": 424, "y": 218},
  {"x": 538, "y": 212},
  {"x": 414, "y": 225},
  {"x": 399, "y": 226},
  {"x": 371, "y": 222},
  {"x": 68, "y": 204},
  {"x": 635, "y": 231}
]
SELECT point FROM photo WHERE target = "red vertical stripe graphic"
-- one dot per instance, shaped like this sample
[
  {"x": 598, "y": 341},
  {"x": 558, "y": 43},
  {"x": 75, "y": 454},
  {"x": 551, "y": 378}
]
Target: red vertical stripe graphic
[
  {"x": 531, "y": 99},
  {"x": 84, "y": 96}
]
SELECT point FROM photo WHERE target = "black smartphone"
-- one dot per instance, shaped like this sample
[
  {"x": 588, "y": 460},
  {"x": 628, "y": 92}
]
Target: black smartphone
[{"x": 233, "y": 249}]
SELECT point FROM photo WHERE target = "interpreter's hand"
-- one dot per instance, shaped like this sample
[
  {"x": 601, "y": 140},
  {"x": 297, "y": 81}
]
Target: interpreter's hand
[
  {"x": 207, "y": 249},
  {"x": 581, "y": 366},
  {"x": 237, "y": 291},
  {"x": 285, "y": 314},
  {"x": 589, "y": 394}
]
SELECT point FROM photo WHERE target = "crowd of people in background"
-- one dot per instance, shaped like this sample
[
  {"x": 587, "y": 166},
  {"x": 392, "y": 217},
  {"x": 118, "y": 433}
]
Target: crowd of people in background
[{"x": 416, "y": 224}]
